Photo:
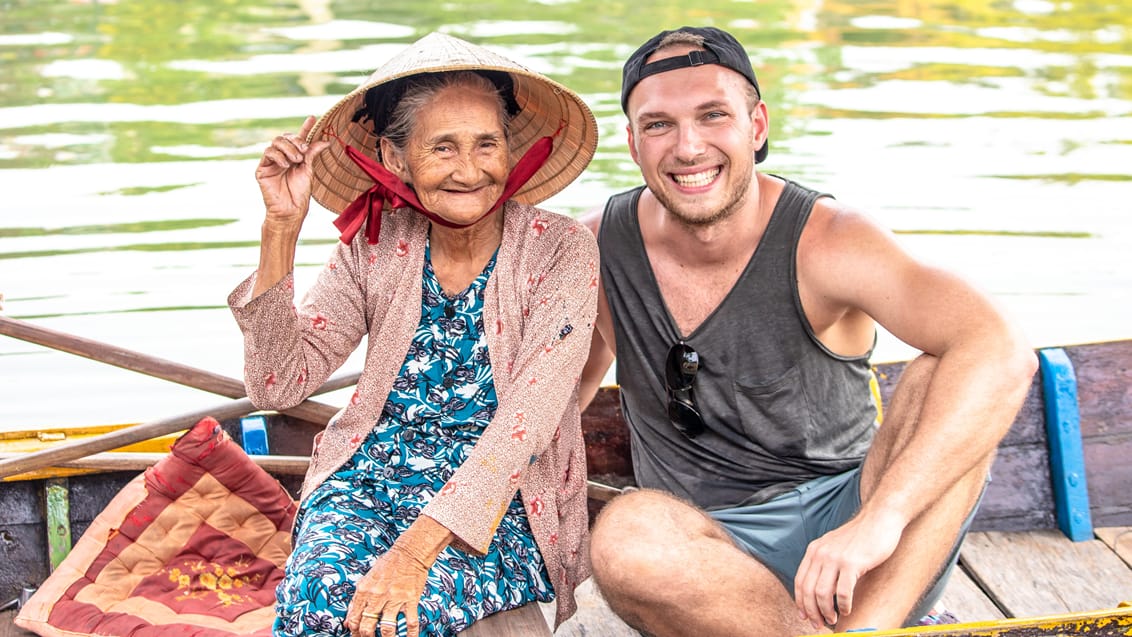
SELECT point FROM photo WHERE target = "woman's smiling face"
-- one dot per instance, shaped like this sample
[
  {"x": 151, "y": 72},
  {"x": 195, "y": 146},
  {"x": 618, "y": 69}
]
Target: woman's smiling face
[{"x": 456, "y": 158}]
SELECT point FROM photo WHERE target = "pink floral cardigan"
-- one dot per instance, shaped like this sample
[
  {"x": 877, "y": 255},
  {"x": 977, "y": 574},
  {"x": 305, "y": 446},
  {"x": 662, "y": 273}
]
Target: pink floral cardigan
[{"x": 539, "y": 308}]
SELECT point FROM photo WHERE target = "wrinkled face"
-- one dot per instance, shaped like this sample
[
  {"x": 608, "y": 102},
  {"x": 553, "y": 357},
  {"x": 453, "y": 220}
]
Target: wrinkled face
[
  {"x": 694, "y": 134},
  {"x": 456, "y": 158}
]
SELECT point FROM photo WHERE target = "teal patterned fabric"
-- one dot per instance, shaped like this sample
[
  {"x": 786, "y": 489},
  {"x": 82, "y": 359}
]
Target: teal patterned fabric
[{"x": 441, "y": 402}]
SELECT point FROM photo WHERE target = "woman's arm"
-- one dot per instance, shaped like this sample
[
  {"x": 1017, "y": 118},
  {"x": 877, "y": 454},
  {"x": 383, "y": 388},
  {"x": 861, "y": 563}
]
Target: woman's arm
[
  {"x": 284, "y": 177},
  {"x": 288, "y": 353},
  {"x": 542, "y": 385}
]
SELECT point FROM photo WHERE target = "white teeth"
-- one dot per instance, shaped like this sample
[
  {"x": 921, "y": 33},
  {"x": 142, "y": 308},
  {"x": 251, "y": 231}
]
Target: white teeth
[{"x": 697, "y": 179}]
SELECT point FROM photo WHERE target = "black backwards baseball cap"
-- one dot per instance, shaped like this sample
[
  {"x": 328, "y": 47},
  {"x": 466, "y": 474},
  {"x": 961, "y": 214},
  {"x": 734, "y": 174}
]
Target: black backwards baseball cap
[{"x": 720, "y": 47}]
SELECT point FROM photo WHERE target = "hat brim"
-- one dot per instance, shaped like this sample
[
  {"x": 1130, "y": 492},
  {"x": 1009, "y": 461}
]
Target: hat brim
[{"x": 546, "y": 107}]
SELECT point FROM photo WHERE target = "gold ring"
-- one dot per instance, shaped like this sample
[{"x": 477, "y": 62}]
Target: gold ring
[{"x": 371, "y": 615}]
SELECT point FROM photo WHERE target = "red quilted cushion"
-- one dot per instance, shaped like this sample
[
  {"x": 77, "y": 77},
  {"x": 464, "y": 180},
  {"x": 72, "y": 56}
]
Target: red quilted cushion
[{"x": 195, "y": 546}]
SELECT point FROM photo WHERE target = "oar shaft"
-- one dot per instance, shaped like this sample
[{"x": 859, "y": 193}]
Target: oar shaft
[
  {"x": 277, "y": 465},
  {"x": 603, "y": 492},
  {"x": 120, "y": 438},
  {"x": 124, "y": 358},
  {"x": 162, "y": 368},
  {"x": 138, "y": 461}
]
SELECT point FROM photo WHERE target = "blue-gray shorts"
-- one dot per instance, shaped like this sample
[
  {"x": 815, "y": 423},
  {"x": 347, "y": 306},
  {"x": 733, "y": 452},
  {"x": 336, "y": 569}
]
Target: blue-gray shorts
[{"x": 778, "y": 531}]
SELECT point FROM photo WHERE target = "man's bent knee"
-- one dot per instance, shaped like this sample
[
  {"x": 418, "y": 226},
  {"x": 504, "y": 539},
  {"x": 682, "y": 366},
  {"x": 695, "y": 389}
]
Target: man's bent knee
[
  {"x": 917, "y": 374},
  {"x": 646, "y": 514},
  {"x": 637, "y": 535}
]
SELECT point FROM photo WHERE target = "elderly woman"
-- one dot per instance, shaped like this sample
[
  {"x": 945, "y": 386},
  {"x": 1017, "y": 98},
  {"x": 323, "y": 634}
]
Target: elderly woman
[{"x": 453, "y": 484}]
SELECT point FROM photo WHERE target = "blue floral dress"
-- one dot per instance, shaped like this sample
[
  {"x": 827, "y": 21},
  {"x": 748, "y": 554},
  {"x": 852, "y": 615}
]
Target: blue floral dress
[{"x": 440, "y": 404}]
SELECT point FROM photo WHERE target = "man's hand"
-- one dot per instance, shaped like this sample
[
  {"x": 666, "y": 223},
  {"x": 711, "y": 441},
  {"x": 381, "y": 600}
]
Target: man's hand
[{"x": 834, "y": 563}]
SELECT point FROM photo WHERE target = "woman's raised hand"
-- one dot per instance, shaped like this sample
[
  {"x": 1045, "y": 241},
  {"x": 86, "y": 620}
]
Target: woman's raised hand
[{"x": 284, "y": 175}]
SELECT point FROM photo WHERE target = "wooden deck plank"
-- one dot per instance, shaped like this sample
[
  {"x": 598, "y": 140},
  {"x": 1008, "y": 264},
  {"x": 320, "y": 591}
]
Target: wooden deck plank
[
  {"x": 1042, "y": 573},
  {"x": 9, "y": 629},
  {"x": 525, "y": 621},
  {"x": 1031, "y": 574},
  {"x": 966, "y": 600},
  {"x": 962, "y": 597},
  {"x": 1104, "y": 376},
  {"x": 1119, "y": 539},
  {"x": 594, "y": 618}
]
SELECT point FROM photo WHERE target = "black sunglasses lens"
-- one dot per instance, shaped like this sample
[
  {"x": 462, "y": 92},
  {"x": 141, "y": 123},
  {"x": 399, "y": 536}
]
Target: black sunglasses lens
[
  {"x": 685, "y": 417},
  {"x": 681, "y": 367}
]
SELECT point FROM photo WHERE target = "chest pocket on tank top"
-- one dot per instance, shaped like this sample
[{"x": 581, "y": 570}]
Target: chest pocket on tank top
[{"x": 775, "y": 413}]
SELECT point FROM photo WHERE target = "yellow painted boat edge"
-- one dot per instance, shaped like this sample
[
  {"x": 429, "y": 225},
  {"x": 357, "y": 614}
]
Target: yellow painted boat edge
[
  {"x": 1082, "y": 623},
  {"x": 32, "y": 440}
]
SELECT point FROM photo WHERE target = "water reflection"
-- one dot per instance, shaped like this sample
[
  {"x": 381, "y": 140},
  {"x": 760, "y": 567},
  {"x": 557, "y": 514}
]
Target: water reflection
[{"x": 993, "y": 138}]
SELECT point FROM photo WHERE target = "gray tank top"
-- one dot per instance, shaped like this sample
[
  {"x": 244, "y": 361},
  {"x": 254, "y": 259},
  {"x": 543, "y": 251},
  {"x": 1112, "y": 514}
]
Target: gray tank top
[{"x": 780, "y": 408}]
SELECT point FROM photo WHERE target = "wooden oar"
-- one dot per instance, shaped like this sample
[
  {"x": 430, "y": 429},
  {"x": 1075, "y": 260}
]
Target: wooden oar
[
  {"x": 165, "y": 369},
  {"x": 603, "y": 492},
  {"x": 70, "y": 453},
  {"x": 278, "y": 465},
  {"x": 120, "y": 438},
  {"x": 138, "y": 461}
]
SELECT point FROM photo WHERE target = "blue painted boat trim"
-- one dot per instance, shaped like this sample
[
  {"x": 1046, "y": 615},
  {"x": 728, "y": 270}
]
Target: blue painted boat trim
[
  {"x": 1066, "y": 451},
  {"x": 254, "y": 435}
]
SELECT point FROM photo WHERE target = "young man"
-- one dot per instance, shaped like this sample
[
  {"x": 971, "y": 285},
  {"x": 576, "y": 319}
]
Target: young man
[{"x": 741, "y": 308}]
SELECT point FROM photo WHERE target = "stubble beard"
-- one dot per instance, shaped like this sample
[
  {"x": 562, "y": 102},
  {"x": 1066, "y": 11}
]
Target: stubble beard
[{"x": 736, "y": 200}]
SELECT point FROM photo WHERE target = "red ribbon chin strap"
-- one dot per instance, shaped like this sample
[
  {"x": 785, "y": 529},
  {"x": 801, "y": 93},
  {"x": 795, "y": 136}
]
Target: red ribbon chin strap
[{"x": 387, "y": 187}]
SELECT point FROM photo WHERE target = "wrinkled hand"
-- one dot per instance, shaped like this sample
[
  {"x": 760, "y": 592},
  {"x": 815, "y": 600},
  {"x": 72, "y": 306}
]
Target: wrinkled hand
[
  {"x": 284, "y": 175},
  {"x": 394, "y": 585},
  {"x": 834, "y": 563}
]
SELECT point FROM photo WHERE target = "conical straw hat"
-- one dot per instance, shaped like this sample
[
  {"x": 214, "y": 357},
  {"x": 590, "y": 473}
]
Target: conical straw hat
[{"x": 545, "y": 107}]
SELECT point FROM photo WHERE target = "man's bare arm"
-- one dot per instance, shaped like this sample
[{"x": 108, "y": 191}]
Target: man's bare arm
[
  {"x": 601, "y": 357},
  {"x": 602, "y": 347},
  {"x": 850, "y": 268}
]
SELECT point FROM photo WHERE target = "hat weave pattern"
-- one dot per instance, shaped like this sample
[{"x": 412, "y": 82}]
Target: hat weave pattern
[{"x": 546, "y": 106}]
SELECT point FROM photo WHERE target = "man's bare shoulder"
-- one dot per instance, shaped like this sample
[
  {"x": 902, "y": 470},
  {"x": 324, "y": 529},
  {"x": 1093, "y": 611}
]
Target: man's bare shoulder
[
  {"x": 832, "y": 210},
  {"x": 844, "y": 252},
  {"x": 835, "y": 226},
  {"x": 592, "y": 218}
]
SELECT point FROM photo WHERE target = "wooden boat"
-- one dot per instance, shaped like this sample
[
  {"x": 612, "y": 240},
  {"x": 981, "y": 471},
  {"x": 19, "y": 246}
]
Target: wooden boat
[{"x": 1060, "y": 486}]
